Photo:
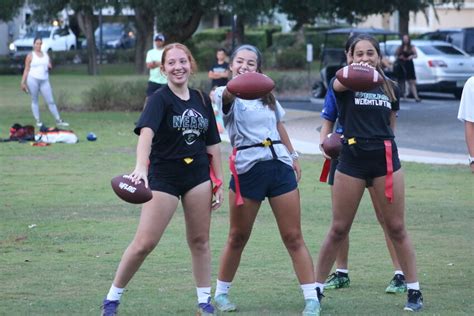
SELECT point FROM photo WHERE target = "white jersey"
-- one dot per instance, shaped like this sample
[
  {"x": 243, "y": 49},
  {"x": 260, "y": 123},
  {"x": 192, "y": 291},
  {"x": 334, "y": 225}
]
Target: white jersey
[
  {"x": 466, "y": 106},
  {"x": 39, "y": 66},
  {"x": 250, "y": 122}
]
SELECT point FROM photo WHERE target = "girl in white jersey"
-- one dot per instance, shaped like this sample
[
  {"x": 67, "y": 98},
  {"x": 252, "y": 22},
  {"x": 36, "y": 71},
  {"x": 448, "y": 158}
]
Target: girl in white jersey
[
  {"x": 35, "y": 80},
  {"x": 264, "y": 165}
]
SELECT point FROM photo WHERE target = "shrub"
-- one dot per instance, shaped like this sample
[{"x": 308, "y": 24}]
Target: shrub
[
  {"x": 257, "y": 39},
  {"x": 283, "y": 40},
  {"x": 291, "y": 58},
  {"x": 113, "y": 96},
  {"x": 216, "y": 35}
]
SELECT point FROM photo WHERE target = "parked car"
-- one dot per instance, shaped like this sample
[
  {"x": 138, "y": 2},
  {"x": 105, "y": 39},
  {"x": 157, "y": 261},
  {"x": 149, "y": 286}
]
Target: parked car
[
  {"x": 460, "y": 37},
  {"x": 114, "y": 36},
  {"x": 439, "y": 67},
  {"x": 54, "y": 38}
]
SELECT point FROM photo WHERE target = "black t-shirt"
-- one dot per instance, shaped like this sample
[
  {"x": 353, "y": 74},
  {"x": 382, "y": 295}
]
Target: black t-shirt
[
  {"x": 182, "y": 128},
  {"x": 219, "y": 68},
  {"x": 366, "y": 115}
]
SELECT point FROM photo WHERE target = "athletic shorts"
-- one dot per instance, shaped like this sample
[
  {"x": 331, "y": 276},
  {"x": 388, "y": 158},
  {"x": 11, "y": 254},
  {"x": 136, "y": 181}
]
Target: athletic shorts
[
  {"x": 268, "y": 178},
  {"x": 152, "y": 87},
  {"x": 366, "y": 164},
  {"x": 176, "y": 177},
  {"x": 332, "y": 173}
]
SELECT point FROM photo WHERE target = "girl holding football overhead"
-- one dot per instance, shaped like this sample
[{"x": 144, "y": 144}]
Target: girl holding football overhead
[
  {"x": 263, "y": 164},
  {"x": 177, "y": 135},
  {"x": 369, "y": 155}
]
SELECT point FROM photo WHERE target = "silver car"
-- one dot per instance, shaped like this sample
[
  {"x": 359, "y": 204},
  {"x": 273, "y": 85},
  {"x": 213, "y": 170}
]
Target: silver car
[{"x": 439, "y": 67}]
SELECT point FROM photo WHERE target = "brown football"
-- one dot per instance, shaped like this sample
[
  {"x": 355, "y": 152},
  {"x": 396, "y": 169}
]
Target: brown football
[
  {"x": 332, "y": 145},
  {"x": 129, "y": 191},
  {"x": 359, "y": 77},
  {"x": 250, "y": 85}
]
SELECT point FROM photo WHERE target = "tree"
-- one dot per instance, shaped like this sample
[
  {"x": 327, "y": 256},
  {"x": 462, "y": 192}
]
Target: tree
[{"x": 10, "y": 9}]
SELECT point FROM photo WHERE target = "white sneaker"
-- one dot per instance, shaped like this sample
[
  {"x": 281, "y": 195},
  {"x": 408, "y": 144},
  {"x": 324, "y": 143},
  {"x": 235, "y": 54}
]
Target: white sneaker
[
  {"x": 39, "y": 123},
  {"x": 61, "y": 123}
]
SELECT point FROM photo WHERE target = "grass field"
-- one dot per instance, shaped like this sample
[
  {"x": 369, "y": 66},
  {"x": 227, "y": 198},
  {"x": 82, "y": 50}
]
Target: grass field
[{"x": 63, "y": 231}]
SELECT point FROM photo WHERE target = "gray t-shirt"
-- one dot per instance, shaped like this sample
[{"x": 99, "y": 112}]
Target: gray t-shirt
[{"x": 250, "y": 122}]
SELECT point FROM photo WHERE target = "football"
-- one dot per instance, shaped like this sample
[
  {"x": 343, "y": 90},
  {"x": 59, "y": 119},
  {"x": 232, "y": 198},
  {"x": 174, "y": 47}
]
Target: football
[
  {"x": 332, "y": 145},
  {"x": 250, "y": 85},
  {"x": 129, "y": 191},
  {"x": 359, "y": 77}
]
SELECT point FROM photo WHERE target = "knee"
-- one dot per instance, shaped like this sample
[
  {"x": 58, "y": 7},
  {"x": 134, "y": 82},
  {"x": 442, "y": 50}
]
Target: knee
[
  {"x": 199, "y": 244},
  {"x": 396, "y": 231},
  {"x": 293, "y": 241},
  {"x": 143, "y": 247},
  {"x": 338, "y": 232},
  {"x": 237, "y": 240}
]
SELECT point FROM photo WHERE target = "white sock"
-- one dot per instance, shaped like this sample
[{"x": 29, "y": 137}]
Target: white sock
[
  {"x": 413, "y": 286},
  {"x": 203, "y": 294},
  {"x": 398, "y": 272},
  {"x": 222, "y": 287},
  {"x": 309, "y": 291},
  {"x": 115, "y": 293},
  {"x": 321, "y": 287},
  {"x": 346, "y": 271}
]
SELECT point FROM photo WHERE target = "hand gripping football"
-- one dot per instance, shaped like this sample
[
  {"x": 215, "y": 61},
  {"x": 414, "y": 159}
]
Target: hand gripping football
[
  {"x": 359, "y": 77},
  {"x": 250, "y": 85},
  {"x": 129, "y": 191},
  {"x": 332, "y": 145}
]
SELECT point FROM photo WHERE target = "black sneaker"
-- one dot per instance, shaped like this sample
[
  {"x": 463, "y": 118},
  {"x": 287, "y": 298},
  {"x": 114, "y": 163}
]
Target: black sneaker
[
  {"x": 415, "y": 301},
  {"x": 320, "y": 295},
  {"x": 337, "y": 280},
  {"x": 397, "y": 285}
]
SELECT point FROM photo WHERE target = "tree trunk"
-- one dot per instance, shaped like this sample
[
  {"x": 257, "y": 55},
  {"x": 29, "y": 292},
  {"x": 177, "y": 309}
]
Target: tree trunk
[
  {"x": 187, "y": 29},
  {"x": 84, "y": 20},
  {"x": 403, "y": 20},
  {"x": 144, "y": 19},
  {"x": 240, "y": 29}
]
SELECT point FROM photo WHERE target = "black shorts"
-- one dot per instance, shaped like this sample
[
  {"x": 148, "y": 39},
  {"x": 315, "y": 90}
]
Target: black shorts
[
  {"x": 332, "y": 172},
  {"x": 366, "y": 164},
  {"x": 176, "y": 177},
  {"x": 268, "y": 178},
  {"x": 152, "y": 87}
]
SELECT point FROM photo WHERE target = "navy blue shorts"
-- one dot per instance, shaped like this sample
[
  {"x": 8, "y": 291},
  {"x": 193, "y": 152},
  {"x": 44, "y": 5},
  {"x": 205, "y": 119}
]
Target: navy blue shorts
[
  {"x": 176, "y": 177},
  {"x": 268, "y": 178},
  {"x": 332, "y": 172},
  {"x": 366, "y": 164}
]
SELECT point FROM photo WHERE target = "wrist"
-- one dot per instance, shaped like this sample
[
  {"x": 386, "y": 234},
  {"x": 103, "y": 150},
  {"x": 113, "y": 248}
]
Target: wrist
[{"x": 294, "y": 155}]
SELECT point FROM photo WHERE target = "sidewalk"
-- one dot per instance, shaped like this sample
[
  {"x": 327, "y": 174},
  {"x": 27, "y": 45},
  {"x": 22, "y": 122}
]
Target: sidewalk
[{"x": 303, "y": 128}]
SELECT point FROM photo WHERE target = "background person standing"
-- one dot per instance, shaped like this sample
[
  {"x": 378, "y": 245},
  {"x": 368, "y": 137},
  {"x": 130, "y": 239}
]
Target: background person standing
[
  {"x": 153, "y": 62},
  {"x": 466, "y": 115},
  {"x": 405, "y": 70},
  {"x": 219, "y": 72},
  {"x": 35, "y": 80}
]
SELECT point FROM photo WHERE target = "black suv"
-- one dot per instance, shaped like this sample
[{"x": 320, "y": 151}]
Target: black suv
[{"x": 460, "y": 37}]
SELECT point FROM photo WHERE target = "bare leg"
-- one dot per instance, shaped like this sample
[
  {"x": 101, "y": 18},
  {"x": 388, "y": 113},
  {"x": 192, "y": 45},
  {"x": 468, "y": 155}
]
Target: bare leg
[
  {"x": 412, "y": 85},
  {"x": 390, "y": 247},
  {"x": 241, "y": 223},
  {"x": 347, "y": 192},
  {"x": 394, "y": 218},
  {"x": 287, "y": 211},
  {"x": 154, "y": 218},
  {"x": 197, "y": 213}
]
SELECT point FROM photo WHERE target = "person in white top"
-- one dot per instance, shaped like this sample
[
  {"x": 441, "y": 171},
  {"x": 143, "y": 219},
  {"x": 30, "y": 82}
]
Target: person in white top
[
  {"x": 35, "y": 80},
  {"x": 466, "y": 115}
]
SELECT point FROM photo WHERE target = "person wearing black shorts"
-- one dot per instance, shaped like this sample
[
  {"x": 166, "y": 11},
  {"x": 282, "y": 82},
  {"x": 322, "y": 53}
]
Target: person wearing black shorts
[
  {"x": 369, "y": 153},
  {"x": 177, "y": 154}
]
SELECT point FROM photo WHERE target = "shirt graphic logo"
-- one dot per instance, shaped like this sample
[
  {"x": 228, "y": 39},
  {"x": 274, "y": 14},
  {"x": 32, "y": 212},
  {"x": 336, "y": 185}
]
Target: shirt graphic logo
[{"x": 192, "y": 123}]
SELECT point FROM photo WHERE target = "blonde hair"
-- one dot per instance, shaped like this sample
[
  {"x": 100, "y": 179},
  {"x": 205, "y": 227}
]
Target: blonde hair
[{"x": 185, "y": 49}]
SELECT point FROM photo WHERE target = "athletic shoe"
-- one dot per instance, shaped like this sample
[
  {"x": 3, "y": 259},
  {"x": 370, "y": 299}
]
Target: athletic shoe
[
  {"x": 337, "y": 281},
  {"x": 320, "y": 295},
  {"x": 109, "y": 308},
  {"x": 205, "y": 309},
  {"x": 224, "y": 304},
  {"x": 397, "y": 285},
  {"x": 415, "y": 301},
  {"x": 39, "y": 123},
  {"x": 311, "y": 308},
  {"x": 62, "y": 123}
]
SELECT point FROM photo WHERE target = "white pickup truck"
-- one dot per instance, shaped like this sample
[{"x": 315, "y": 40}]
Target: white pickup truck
[{"x": 55, "y": 38}]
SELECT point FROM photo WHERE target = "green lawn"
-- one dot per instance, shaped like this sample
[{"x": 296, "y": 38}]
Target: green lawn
[{"x": 65, "y": 264}]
